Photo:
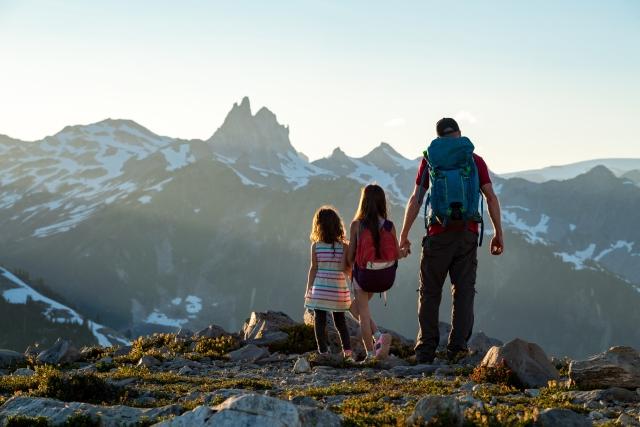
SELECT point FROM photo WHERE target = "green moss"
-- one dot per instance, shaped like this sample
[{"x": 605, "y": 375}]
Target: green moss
[
  {"x": 500, "y": 374},
  {"x": 81, "y": 420},
  {"x": 23, "y": 421},
  {"x": 216, "y": 348},
  {"x": 80, "y": 388}
]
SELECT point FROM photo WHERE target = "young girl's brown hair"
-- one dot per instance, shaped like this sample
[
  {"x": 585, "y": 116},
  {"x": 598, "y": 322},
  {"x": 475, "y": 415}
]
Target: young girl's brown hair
[
  {"x": 372, "y": 207},
  {"x": 327, "y": 226}
]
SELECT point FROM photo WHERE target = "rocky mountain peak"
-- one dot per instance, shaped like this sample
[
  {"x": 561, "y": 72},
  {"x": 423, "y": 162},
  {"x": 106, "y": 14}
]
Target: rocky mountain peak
[{"x": 258, "y": 139}]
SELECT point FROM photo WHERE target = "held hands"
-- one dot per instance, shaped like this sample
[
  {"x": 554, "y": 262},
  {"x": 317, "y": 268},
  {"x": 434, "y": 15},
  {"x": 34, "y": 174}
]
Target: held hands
[
  {"x": 497, "y": 245},
  {"x": 405, "y": 247}
]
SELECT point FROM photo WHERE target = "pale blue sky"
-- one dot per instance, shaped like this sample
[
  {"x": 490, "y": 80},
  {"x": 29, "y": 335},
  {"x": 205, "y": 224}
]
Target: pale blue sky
[{"x": 533, "y": 83}]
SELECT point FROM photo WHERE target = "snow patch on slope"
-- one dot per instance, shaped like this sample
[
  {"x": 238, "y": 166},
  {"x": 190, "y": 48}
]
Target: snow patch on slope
[
  {"x": 55, "y": 312},
  {"x": 532, "y": 233}
]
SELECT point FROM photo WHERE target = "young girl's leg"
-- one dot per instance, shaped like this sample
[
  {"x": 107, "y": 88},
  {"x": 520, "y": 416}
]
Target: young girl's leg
[
  {"x": 362, "y": 300},
  {"x": 356, "y": 314},
  {"x": 341, "y": 325},
  {"x": 320, "y": 329}
]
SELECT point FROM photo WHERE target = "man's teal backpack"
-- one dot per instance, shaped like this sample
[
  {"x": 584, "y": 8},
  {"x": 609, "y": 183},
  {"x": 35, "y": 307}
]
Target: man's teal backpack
[{"x": 454, "y": 190}]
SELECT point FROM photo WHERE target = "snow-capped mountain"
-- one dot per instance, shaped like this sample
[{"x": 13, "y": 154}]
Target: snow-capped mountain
[
  {"x": 47, "y": 315},
  {"x": 257, "y": 148},
  {"x": 619, "y": 167},
  {"x": 145, "y": 232}
]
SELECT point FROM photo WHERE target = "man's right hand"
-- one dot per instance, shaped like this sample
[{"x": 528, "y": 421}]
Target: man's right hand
[{"x": 497, "y": 245}]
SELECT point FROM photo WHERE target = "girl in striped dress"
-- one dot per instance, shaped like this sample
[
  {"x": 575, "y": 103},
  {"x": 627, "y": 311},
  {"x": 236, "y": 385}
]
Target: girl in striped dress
[{"x": 327, "y": 289}]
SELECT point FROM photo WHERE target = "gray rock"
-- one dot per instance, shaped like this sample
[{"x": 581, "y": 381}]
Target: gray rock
[
  {"x": 301, "y": 366},
  {"x": 305, "y": 401},
  {"x": 185, "y": 370},
  {"x": 23, "y": 372},
  {"x": 444, "y": 408},
  {"x": 184, "y": 333},
  {"x": 211, "y": 331},
  {"x": 627, "y": 420},
  {"x": 555, "y": 417},
  {"x": 148, "y": 361},
  {"x": 527, "y": 360},
  {"x": 200, "y": 416},
  {"x": 11, "y": 359},
  {"x": 122, "y": 351},
  {"x": 316, "y": 417},
  {"x": 223, "y": 393},
  {"x": 266, "y": 327},
  {"x": 532, "y": 392},
  {"x": 63, "y": 351},
  {"x": 618, "y": 366},
  {"x": 355, "y": 335},
  {"x": 405, "y": 371},
  {"x": 265, "y": 409},
  {"x": 613, "y": 394},
  {"x": 480, "y": 343},
  {"x": 248, "y": 353},
  {"x": 57, "y": 412}
]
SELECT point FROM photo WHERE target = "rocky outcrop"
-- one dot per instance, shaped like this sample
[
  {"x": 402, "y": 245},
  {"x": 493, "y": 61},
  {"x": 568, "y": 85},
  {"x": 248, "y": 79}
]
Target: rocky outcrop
[
  {"x": 399, "y": 343},
  {"x": 555, "y": 417},
  {"x": 211, "y": 331},
  {"x": 248, "y": 353},
  {"x": 616, "y": 367},
  {"x": 10, "y": 359},
  {"x": 480, "y": 344},
  {"x": 255, "y": 410},
  {"x": 57, "y": 412},
  {"x": 264, "y": 328},
  {"x": 63, "y": 351},
  {"x": 445, "y": 409},
  {"x": 527, "y": 361}
]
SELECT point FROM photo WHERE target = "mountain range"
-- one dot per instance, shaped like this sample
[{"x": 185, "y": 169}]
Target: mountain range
[{"x": 143, "y": 232}]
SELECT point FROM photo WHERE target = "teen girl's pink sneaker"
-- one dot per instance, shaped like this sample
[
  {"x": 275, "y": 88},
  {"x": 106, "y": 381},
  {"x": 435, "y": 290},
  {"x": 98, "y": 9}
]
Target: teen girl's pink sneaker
[{"x": 382, "y": 346}]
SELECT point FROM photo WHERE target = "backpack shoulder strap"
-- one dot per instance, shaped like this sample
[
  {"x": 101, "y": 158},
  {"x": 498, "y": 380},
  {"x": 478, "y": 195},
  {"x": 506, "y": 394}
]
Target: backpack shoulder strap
[{"x": 423, "y": 179}]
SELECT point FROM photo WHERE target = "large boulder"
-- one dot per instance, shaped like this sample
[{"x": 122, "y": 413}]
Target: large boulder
[
  {"x": 613, "y": 394},
  {"x": 63, "y": 351},
  {"x": 527, "y": 361},
  {"x": 264, "y": 328},
  {"x": 211, "y": 331},
  {"x": 480, "y": 344},
  {"x": 248, "y": 353},
  {"x": 254, "y": 410},
  {"x": 11, "y": 359},
  {"x": 398, "y": 342},
  {"x": 556, "y": 417},
  {"x": 57, "y": 412},
  {"x": 616, "y": 367},
  {"x": 445, "y": 409}
]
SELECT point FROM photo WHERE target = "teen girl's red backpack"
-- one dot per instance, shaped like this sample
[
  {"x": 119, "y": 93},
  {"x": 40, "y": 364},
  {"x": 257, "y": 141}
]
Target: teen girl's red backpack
[{"x": 376, "y": 273}]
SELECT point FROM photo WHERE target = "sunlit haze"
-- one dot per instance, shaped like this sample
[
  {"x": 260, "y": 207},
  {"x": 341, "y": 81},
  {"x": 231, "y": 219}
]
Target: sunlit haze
[{"x": 532, "y": 83}]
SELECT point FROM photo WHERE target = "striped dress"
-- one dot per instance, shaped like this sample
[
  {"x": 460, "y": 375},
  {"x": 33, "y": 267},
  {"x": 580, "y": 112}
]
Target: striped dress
[{"x": 329, "y": 291}]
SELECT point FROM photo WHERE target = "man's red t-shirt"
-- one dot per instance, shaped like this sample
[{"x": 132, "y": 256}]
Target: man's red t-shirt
[{"x": 483, "y": 175}]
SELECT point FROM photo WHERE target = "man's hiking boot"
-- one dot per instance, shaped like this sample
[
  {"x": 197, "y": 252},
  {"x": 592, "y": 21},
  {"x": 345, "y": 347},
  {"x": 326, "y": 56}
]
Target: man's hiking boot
[
  {"x": 455, "y": 356},
  {"x": 424, "y": 359}
]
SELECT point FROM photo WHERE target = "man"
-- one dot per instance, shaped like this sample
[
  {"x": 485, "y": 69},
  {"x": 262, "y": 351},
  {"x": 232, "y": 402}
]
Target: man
[{"x": 448, "y": 249}]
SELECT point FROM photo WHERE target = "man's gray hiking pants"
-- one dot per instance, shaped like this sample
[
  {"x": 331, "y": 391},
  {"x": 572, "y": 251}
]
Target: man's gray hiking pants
[{"x": 455, "y": 253}]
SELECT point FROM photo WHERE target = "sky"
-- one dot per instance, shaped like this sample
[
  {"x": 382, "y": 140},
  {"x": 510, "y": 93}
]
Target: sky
[{"x": 532, "y": 84}]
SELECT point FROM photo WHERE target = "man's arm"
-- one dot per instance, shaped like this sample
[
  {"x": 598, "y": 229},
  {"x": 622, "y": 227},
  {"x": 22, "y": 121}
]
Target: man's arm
[
  {"x": 493, "y": 205},
  {"x": 410, "y": 214}
]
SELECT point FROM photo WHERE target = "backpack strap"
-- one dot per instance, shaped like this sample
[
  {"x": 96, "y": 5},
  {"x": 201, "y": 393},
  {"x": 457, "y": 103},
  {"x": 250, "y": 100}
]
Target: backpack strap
[
  {"x": 423, "y": 179},
  {"x": 481, "y": 220}
]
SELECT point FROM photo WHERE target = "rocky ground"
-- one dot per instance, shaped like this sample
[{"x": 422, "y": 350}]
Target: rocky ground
[{"x": 268, "y": 374}]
